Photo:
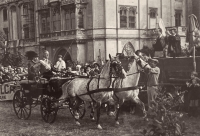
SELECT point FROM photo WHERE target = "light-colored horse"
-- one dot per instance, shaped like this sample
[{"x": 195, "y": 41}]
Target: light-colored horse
[
  {"x": 86, "y": 89},
  {"x": 126, "y": 89}
]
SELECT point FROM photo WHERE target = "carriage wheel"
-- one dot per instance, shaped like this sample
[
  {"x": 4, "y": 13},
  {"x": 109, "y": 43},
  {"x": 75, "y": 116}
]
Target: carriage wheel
[
  {"x": 21, "y": 104},
  {"x": 81, "y": 110},
  {"x": 48, "y": 110}
]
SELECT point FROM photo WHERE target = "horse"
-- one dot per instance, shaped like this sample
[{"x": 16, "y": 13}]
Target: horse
[
  {"x": 92, "y": 89},
  {"x": 126, "y": 89}
]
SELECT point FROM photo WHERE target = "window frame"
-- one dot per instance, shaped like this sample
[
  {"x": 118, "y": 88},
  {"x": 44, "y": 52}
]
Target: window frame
[
  {"x": 178, "y": 16},
  {"x": 125, "y": 22},
  {"x": 56, "y": 19},
  {"x": 5, "y": 14},
  {"x": 153, "y": 12},
  {"x": 70, "y": 19},
  {"x": 46, "y": 17}
]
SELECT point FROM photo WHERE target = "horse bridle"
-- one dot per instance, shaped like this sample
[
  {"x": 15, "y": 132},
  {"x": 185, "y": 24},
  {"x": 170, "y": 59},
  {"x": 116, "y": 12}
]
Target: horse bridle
[{"x": 138, "y": 71}]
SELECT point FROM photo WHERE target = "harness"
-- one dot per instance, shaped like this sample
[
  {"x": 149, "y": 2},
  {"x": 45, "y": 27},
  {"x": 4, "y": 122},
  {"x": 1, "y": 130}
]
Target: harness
[{"x": 127, "y": 88}]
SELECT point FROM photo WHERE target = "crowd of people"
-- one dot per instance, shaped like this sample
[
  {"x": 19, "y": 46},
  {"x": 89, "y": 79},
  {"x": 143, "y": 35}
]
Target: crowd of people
[
  {"x": 169, "y": 45},
  {"x": 9, "y": 73}
]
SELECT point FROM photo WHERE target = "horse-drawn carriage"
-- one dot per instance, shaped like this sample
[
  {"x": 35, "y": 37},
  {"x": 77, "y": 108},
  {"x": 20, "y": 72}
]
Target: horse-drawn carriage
[{"x": 44, "y": 93}]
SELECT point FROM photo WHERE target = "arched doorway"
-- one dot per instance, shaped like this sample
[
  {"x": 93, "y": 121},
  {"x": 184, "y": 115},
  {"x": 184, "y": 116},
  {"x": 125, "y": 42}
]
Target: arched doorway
[
  {"x": 64, "y": 53},
  {"x": 128, "y": 49}
]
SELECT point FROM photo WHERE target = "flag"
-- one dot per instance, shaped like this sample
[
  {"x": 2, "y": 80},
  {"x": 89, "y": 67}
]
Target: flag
[{"x": 162, "y": 26}]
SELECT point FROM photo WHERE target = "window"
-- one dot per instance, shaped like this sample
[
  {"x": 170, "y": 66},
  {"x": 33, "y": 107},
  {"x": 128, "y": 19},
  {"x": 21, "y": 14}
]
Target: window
[
  {"x": 127, "y": 17},
  {"x": 45, "y": 21},
  {"x": 178, "y": 15},
  {"x": 153, "y": 12},
  {"x": 6, "y": 33},
  {"x": 56, "y": 18},
  {"x": 70, "y": 19},
  {"x": 25, "y": 9},
  {"x": 28, "y": 23},
  {"x": 5, "y": 17},
  {"x": 26, "y": 31}
]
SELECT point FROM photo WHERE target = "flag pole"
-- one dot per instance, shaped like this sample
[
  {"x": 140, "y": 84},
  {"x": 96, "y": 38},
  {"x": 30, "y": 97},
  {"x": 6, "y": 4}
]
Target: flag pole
[{"x": 194, "y": 58}]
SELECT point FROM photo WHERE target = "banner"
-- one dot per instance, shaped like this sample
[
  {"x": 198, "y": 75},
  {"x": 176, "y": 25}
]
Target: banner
[{"x": 7, "y": 90}]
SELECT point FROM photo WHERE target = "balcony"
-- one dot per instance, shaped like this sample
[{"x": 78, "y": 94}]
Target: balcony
[
  {"x": 54, "y": 2},
  {"x": 7, "y": 1},
  {"x": 63, "y": 35}
]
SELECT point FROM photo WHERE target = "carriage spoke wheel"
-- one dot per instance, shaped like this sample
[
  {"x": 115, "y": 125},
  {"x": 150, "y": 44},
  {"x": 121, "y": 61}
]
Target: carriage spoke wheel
[
  {"x": 48, "y": 110},
  {"x": 21, "y": 105},
  {"x": 80, "y": 110}
]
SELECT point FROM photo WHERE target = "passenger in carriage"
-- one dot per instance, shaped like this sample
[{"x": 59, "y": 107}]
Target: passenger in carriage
[
  {"x": 90, "y": 71},
  {"x": 60, "y": 64},
  {"x": 46, "y": 67},
  {"x": 33, "y": 65},
  {"x": 194, "y": 94},
  {"x": 78, "y": 69},
  {"x": 69, "y": 72}
]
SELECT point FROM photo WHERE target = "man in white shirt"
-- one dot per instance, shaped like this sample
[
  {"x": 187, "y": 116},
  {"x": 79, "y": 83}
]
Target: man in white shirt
[
  {"x": 60, "y": 64},
  {"x": 46, "y": 66}
]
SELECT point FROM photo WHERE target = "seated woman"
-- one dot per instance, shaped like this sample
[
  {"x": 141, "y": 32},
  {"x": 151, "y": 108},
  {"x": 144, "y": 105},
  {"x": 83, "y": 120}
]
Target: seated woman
[{"x": 33, "y": 65}]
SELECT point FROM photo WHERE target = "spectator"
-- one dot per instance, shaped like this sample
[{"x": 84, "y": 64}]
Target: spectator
[
  {"x": 69, "y": 72},
  {"x": 78, "y": 69},
  {"x": 82, "y": 72},
  {"x": 159, "y": 45},
  {"x": 193, "y": 94},
  {"x": 174, "y": 44},
  {"x": 96, "y": 68}
]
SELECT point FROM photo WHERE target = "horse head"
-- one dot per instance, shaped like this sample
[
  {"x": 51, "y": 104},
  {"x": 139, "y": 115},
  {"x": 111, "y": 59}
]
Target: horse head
[
  {"x": 141, "y": 63},
  {"x": 116, "y": 68}
]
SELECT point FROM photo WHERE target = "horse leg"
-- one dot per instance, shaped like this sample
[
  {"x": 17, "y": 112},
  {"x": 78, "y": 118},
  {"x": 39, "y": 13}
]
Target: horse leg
[
  {"x": 141, "y": 106},
  {"x": 118, "y": 108},
  {"x": 74, "y": 103},
  {"x": 98, "y": 115},
  {"x": 92, "y": 111}
]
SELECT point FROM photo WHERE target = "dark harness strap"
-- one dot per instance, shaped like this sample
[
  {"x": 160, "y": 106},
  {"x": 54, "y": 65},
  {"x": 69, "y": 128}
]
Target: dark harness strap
[
  {"x": 115, "y": 89},
  {"x": 88, "y": 88}
]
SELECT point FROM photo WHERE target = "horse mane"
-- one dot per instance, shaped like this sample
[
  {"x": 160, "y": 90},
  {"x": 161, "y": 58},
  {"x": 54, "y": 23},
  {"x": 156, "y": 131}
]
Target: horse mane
[
  {"x": 105, "y": 70},
  {"x": 133, "y": 67}
]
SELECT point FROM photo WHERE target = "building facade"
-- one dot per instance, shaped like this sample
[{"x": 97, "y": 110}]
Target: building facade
[{"x": 86, "y": 30}]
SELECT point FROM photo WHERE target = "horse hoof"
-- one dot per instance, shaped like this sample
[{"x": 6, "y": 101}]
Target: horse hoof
[
  {"x": 99, "y": 126},
  {"x": 117, "y": 122},
  {"x": 78, "y": 123}
]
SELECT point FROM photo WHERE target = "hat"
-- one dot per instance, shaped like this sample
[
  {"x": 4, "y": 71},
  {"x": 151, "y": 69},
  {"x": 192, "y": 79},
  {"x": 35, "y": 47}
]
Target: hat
[
  {"x": 174, "y": 28},
  {"x": 31, "y": 54},
  {"x": 153, "y": 60},
  {"x": 59, "y": 56},
  {"x": 95, "y": 63}
]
